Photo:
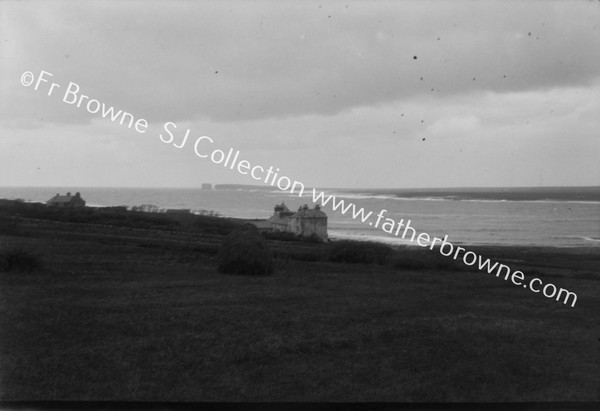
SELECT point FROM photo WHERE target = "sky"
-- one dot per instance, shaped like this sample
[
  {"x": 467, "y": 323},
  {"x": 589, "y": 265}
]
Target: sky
[{"x": 347, "y": 94}]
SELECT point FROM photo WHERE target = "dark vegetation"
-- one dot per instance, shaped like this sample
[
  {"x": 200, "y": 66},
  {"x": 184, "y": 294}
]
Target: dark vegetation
[
  {"x": 119, "y": 216},
  {"x": 287, "y": 236},
  {"x": 244, "y": 251},
  {"x": 287, "y": 246},
  {"x": 401, "y": 258},
  {"x": 19, "y": 261},
  {"x": 204, "y": 234},
  {"x": 347, "y": 251},
  {"x": 133, "y": 313}
]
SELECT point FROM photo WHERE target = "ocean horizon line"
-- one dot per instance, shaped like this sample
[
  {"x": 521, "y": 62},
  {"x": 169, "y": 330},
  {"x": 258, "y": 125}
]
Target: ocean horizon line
[{"x": 267, "y": 187}]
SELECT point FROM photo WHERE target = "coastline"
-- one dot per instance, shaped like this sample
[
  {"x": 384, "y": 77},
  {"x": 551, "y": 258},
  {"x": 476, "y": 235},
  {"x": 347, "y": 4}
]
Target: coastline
[{"x": 466, "y": 222}]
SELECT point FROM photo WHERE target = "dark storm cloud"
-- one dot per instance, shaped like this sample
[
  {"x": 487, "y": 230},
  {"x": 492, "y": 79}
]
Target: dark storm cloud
[
  {"x": 346, "y": 94},
  {"x": 236, "y": 61}
]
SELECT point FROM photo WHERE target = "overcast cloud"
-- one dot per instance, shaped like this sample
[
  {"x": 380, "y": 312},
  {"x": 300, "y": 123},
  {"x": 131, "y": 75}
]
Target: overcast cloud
[{"x": 336, "y": 94}]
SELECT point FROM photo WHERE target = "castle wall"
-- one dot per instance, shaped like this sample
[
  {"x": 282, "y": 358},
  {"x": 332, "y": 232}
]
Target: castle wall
[{"x": 309, "y": 226}]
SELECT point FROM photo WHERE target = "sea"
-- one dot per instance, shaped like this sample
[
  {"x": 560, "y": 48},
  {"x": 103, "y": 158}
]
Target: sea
[{"x": 539, "y": 216}]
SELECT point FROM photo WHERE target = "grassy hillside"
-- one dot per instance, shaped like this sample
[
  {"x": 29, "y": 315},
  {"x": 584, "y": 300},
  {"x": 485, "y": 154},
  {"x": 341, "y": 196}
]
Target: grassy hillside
[{"x": 135, "y": 313}]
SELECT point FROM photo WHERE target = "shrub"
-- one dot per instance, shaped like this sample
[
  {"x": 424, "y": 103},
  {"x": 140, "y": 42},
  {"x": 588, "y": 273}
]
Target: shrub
[
  {"x": 20, "y": 260},
  {"x": 244, "y": 251},
  {"x": 348, "y": 251}
]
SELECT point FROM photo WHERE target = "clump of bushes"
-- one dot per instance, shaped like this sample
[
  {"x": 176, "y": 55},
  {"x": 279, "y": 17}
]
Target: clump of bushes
[
  {"x": 348, "y": 251},
  {"x": 405, "y": 258},
  {"x": 116, "y": 216},
  {"x": 244, "y": 251},
  {"x": 20, "y": 260}
]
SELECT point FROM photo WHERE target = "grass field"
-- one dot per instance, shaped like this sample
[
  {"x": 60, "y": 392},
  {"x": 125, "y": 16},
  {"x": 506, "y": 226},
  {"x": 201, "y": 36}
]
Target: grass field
[{"x": 142, "y": 314}]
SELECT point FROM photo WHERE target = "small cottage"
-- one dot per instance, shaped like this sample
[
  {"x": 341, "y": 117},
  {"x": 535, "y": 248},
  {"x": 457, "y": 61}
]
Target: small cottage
[{"x": 66, "y": 200}]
